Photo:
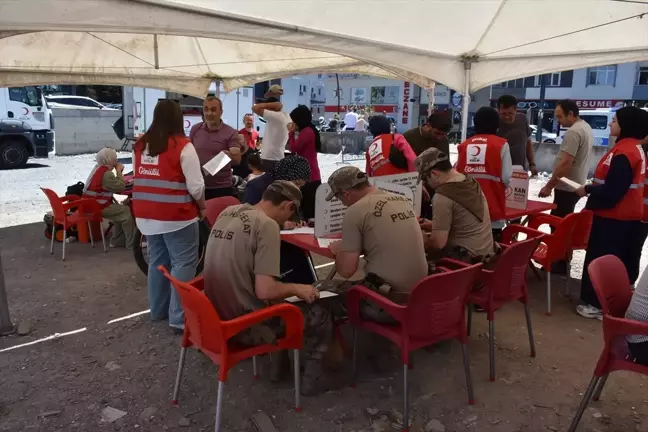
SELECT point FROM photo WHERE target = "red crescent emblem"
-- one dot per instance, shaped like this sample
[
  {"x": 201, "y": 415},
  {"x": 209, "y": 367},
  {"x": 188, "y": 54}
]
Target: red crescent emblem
[
  {"x": 187, "y": 123},
  {"x": 475, "y": 154},
  {"x": 26, "y": 111}
]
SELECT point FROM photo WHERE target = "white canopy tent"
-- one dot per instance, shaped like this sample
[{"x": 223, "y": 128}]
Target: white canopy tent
[{"x": 183, "y": 45}]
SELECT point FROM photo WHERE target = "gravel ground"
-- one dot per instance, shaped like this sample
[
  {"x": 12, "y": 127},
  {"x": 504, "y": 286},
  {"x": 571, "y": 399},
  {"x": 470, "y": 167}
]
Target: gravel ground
[{"x": 78, "y": 381}]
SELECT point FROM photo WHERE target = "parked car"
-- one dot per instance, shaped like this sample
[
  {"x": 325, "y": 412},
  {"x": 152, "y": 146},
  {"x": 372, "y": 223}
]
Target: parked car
[
  {"x": 75, "y": 102},
  {"x": 547, "y": 137}
]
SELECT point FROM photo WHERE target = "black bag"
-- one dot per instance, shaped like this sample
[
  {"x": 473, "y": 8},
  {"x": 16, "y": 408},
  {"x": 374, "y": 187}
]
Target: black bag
[{"x": 75, "y": 189}]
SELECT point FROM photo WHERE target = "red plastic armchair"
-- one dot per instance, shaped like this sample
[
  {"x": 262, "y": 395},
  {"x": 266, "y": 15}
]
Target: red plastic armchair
[
  {"x": 207, "y": 332},
  {"x": 612, "y": 285},
  {"x": 215, "y": 206},
  {"x": 435, "y": 312},
  {"x": 506, "y": 284},
  {"x": 556, "y": 246},
  {"x": 88, "y": 211}
]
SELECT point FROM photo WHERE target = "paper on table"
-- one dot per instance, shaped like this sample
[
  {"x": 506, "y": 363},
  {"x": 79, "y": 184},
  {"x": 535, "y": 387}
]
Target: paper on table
[
  {"x": 303, "y": 230},
  {"x": 216, "y": 163},
  {"x": 323, "y": 294},
  {"x": 326, "y": 242},
  {"x": 569, "y": 183}
]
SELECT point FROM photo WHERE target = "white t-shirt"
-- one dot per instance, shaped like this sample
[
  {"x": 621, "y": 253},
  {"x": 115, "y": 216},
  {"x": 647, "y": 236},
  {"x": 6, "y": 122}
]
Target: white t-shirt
[
  {"x": 275, "y": 136},
  {"x": 350, "y": 120},
  {"x": 361, "y": 125}
]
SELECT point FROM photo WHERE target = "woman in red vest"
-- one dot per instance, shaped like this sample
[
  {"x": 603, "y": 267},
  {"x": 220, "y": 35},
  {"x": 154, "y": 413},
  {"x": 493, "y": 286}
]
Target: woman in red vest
[
  {"x": 643, "y": 230},
  {"x": 101, "y": 184},
  {"x": 388, "y": 153},
  {"x": 168, "y": 200},
  {"x": 616, "y": 199}
]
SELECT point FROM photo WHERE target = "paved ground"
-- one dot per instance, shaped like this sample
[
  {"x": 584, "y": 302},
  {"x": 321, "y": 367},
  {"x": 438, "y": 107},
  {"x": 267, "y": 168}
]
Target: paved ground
[{"x": 129, "y": 365}]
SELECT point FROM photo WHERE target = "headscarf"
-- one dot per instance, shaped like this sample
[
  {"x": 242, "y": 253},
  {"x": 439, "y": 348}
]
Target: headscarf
[
  {"x": 379, "y": 125},
  {"x": 105, "y": 157},
  {"x": 291, "y": 168},
  {"x": 631, "y": 121},
  {"x": 303, "y": 118}
]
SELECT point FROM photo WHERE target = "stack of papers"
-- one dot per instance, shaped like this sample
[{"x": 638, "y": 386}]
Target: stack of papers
[
  {"x": 323, "y": 294},
  {"x": 217, "y": 163},
  {"x": 326, "y": 242},
  {"x": 569, "y": 183},
  {"x": 303, "y": 230}
]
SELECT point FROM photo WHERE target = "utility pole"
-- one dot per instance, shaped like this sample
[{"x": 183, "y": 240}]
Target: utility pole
[
  {"x": 337, "y": 92},
  {"x": 6, "y": 327},
  {"x": 543, "y": 88}
]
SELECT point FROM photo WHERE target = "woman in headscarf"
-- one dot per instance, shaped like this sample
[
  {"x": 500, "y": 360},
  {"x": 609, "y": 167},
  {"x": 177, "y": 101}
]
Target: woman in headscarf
[
  {"x": 616, "y": 199},
  {"x": 292, "y": 168},
  {"x": 101, "y": 184},
  {"x": 307, "y": 144},
  {"x": 389, "y": 153},
  {"x": 643, "y": 229}
]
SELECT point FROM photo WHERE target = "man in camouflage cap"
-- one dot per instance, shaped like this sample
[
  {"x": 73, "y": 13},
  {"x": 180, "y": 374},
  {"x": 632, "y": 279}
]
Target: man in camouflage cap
[
  {"x": 344, "y": 179},
  {"x": 242, "y": 275},
  {"x": 460, "y": 227}
]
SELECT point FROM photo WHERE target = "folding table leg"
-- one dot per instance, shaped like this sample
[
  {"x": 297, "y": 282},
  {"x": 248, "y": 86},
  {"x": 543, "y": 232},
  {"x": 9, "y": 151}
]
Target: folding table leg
[
  {"x": 466, "y": 362},
  {"x": 64, "y": 238},
  {"x": 599, "y": 389},
  {"x": 103, "y": 241},
  {"x": 91, "y": 236},
  {"x": 354, "y": 359},
  {"x": 52, "y": 240},
  {"x": 470, "y": 312},
  {"x": 219, "y": 406},
  {"x": 297, "y": 381},
  {"x": 176, "y": 387},
  {"x": 255, "y": 373},
  {"x": 583, "y": 404},
  {"x": 311, "y": 265},
  {"x": 527, "y": 314}
]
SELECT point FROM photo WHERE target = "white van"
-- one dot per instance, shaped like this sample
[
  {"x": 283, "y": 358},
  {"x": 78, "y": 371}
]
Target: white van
[{"x": 599, "y": 120}]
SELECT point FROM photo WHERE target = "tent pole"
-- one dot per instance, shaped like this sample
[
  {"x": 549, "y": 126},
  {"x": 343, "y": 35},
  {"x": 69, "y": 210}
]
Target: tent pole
[
  {"x": 430, "y": 93},
  {"x": 466, "y": 99},
  {"x": 218, "y": 92},
  {"x": 6, "y": 327}
]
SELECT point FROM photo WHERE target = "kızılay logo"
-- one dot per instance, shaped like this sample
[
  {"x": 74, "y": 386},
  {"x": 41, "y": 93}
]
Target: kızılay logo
[{"x": 25, "y": 111}]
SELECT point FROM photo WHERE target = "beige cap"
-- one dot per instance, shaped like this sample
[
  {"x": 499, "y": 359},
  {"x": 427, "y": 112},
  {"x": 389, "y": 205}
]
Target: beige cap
[
  {"x": 274, "y": 89},
  {"x": 344, "y": 179}
]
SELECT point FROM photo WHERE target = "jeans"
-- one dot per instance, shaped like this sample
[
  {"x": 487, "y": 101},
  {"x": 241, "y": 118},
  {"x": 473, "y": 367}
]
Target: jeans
[{"x": 178, "y": 252}]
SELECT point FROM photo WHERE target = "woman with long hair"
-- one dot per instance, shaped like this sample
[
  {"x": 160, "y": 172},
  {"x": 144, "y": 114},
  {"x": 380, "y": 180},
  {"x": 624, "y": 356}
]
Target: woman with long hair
[
  {"x": 616, "y": 199},
  {"x": 168, "y": 200},
  {"x": 307, "y": 144}
]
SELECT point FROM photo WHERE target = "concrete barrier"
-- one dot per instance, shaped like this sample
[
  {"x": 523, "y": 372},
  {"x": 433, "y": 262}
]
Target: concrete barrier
[
  {"x": 545, "y": 154},
  {"x": 353, "y": 142},
  {"x": 84, "y": 131}
]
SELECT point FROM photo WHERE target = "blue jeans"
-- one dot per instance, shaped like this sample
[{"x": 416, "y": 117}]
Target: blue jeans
[{"x": 178, "y": 252}]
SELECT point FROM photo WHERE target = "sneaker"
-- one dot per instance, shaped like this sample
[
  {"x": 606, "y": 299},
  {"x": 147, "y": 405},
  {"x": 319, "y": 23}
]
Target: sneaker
[{"x": 587, "y": 311}]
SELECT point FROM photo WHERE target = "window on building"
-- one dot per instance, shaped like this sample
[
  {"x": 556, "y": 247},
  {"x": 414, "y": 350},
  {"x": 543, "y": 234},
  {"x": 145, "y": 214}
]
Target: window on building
[
  {"x": 552, "y": 81},
  {"x": 596, "y": 122},
  {"x": 601, "y": 75},
  {"x": 642, "y": 77}
]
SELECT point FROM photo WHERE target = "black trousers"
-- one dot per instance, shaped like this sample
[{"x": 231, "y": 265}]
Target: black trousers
[
  {"x": 308, "y": 199},
  {"x": 608, "y": 237},
  {"x": 565, "y": 203},
  {"x": 639, "y": 352},
  {"x": 219, "y": 192},
  {"x": 634, "y": 258}
]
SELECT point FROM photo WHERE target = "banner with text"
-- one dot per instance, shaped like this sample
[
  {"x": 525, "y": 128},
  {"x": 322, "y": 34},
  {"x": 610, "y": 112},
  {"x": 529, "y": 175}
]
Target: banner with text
[{"x": 328, "y": 214}]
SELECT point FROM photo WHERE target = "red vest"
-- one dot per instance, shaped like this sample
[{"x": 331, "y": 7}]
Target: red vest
[
  {"x": 631, "y": 205},
  {"x": 481, "y": 158},
  {"x": 159, "y": 188},
  {"x": 95, "y": 191},
  {"x": 250, "y": 138},
  {"x": 378, "y": 157}
]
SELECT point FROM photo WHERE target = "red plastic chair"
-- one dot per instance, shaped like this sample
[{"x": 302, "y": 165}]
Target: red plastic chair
[
  {"x": 215, "y": 206},
  {"x": 207, "y": 332},
  {"x": 505, "y": 284},
  {"x": 88, "y": 211},
  {"x": 435, "y": 312},
  {"x": 612, "y": 285},
  {"x": 556, "y": 246}
]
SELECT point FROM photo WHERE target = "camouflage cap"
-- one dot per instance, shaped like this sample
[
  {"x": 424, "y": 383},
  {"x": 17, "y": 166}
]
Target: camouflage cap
[
  {"x": 427, "y": 160},
  {"x": 288, "y": 190},
  {"x": 344, "y": 179}
]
